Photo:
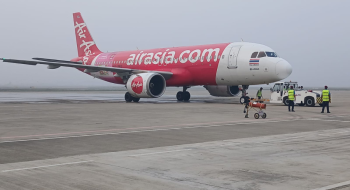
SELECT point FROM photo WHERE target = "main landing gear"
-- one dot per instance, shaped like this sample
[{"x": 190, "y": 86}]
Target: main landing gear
[
  {"x": 244, "y": 93},
  {"x": 183, "y": 95},
  {"x": 129, "y": 98}
]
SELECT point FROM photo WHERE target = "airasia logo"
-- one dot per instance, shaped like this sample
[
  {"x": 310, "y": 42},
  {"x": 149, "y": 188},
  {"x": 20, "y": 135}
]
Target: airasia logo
[
  {"x": 137, "y": 85},
  {"x": 85, "y": 44}
]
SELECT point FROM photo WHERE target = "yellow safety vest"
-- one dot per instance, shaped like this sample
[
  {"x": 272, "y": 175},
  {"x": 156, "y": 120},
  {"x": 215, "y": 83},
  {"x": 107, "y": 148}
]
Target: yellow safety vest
[
  {"x": 325, "y": 95},
  {"x": 259, "y": 93},
  {"x": 291, "y": 95}
]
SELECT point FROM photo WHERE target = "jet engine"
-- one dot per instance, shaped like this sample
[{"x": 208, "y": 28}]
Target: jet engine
[
  {"x": 146, "y": 85},
  {"x": 222, "y": 90}
]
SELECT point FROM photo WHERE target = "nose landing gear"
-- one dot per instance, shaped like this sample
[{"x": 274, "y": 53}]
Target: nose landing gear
[{"x": 183, "y": 95}]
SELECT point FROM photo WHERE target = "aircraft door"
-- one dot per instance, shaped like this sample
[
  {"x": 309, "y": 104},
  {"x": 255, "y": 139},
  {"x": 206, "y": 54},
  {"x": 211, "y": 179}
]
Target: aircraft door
[{"x": 232, "y": 58}]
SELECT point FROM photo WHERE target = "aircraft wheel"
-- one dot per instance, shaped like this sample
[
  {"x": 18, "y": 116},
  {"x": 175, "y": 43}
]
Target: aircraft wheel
[
  {"x": 187, "y": 96},
  {"x": 135, "y": 99},
  {"x": 128, "y": 97},
  {"x": 263, "y": 116},
  {"x": 241, "y": 100},
  {"x": 180, "y": 96},
  {"x": 256, "y": 115}
]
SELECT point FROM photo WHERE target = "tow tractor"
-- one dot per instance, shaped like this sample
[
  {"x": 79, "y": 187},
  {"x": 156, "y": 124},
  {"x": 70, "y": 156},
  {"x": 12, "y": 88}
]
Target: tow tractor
[{"x": 279, "y": 94}]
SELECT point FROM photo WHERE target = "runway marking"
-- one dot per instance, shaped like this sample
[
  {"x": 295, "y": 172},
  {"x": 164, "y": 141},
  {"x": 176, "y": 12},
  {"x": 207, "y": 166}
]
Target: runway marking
[
  {"x": 139, "y": 131},
  {"x": 230, "y": 143},
  {"x": 127, "y": 132},
  {"x": 150, "y": 127},
  {"x": 46, "y": 166},
  {"x": 335, "y": 186},
  {"x": 80, "y": 132},
  {"x": 334, "y": 133},
  {"x": 152, "y": 153}
]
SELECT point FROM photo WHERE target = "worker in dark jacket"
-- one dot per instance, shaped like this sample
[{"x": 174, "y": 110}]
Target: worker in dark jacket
[{"x": 326, "y": 98}]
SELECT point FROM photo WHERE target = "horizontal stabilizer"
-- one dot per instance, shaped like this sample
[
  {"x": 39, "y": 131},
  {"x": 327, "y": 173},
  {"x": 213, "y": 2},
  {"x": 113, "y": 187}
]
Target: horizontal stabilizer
[{"x": 55, "y": 60}]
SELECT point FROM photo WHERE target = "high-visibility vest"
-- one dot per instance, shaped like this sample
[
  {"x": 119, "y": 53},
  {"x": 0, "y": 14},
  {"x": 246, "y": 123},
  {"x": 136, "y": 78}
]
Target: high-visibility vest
[
  {"x": 291, "y": 95},
  {"x": 325, "y": 95},
  {"x": 259, "y": 93}
]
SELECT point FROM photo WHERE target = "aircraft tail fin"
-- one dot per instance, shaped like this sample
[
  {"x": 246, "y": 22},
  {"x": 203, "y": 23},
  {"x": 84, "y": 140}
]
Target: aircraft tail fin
[{"x": 85, "y": 44}]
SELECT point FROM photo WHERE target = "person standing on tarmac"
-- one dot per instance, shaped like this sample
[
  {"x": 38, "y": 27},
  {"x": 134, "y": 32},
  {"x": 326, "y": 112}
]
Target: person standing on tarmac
[
  {"x": 326, "y": 98},
  {"x": 259, "y": 94},
  {"x": 291, "y": 98}
]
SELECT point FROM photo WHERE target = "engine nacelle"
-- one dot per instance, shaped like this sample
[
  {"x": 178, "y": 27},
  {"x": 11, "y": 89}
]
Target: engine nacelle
[
  {"x": 146, "y": 85},
  {"x": 222, "y": 90}
]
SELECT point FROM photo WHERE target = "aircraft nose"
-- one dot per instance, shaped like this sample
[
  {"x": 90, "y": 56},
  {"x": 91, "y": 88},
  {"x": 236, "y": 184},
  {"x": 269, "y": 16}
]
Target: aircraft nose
[{"x": 283, "y": 69}]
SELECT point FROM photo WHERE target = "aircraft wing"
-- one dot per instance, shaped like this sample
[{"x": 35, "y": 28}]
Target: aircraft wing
[{"x": 54, "y": 64}]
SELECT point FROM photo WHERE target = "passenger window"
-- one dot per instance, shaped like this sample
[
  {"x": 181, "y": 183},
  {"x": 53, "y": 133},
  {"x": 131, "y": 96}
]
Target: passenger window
[
  {"x": 261, "y": 54},
  {"x": 223, "y": 56},
  {"x": 254, "y": 55}
]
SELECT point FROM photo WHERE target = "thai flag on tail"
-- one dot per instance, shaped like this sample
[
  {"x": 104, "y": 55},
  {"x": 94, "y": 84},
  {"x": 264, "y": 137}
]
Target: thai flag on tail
[{"x": 254, "y": 62}]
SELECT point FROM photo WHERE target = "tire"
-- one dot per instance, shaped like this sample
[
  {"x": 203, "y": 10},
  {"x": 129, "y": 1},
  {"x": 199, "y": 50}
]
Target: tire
[
  {"x": 187, "y": 96},
  {"x": 241, "y": 100},
  {"x": 285, "y": 101},
  {"x": 310, "y": 102},
  {"x": 180, "y": 96},
  {"x": 256, "y": 115},
  {"x": 263, "y": 116},
  {"x": 135, "y": 99},
  {"x": 128, "y": 97}
]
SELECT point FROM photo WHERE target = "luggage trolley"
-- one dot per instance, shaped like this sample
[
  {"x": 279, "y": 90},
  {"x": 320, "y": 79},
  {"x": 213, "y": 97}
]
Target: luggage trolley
[{"x": 258, "y": 107}]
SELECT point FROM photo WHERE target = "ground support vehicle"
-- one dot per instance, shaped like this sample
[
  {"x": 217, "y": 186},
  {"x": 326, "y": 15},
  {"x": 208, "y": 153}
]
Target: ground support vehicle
[{"x": 279, "y": 94}]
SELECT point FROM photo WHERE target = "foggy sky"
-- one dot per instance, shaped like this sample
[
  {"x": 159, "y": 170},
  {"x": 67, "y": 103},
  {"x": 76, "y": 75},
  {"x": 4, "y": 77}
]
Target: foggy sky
[{"x": 312, "y": 35}]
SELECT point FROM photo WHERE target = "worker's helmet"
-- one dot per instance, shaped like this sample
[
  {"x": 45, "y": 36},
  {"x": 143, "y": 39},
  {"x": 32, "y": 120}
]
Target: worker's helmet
[{"x": 326, "y": 87}]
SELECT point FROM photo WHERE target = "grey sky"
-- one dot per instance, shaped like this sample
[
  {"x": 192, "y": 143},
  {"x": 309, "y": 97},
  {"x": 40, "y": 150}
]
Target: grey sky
[{"x": 312, "y": 35}]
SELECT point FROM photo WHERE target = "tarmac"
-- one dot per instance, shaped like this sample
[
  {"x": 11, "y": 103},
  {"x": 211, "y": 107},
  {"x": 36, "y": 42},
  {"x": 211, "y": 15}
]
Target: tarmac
[{"x": 94, "y": 140}]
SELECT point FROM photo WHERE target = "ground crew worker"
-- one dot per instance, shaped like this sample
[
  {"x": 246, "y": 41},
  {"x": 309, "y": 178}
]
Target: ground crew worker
[
  {"x": 259, "y": 94},
  {"x": 291, "y": 98},
  {"x": 326, "y": 98},
  {"x": 246, "y": 104}
]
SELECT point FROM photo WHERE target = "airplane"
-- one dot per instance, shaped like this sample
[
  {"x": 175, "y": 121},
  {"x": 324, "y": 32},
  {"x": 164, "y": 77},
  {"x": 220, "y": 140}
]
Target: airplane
[{"x": 224, "y": 69}]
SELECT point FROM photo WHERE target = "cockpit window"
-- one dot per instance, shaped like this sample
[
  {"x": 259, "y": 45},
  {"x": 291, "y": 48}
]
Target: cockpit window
[
  {"x": 254, "y": 55},
  {"x": 271, "y": 54},
  {"x": 261, "y": 54}
]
